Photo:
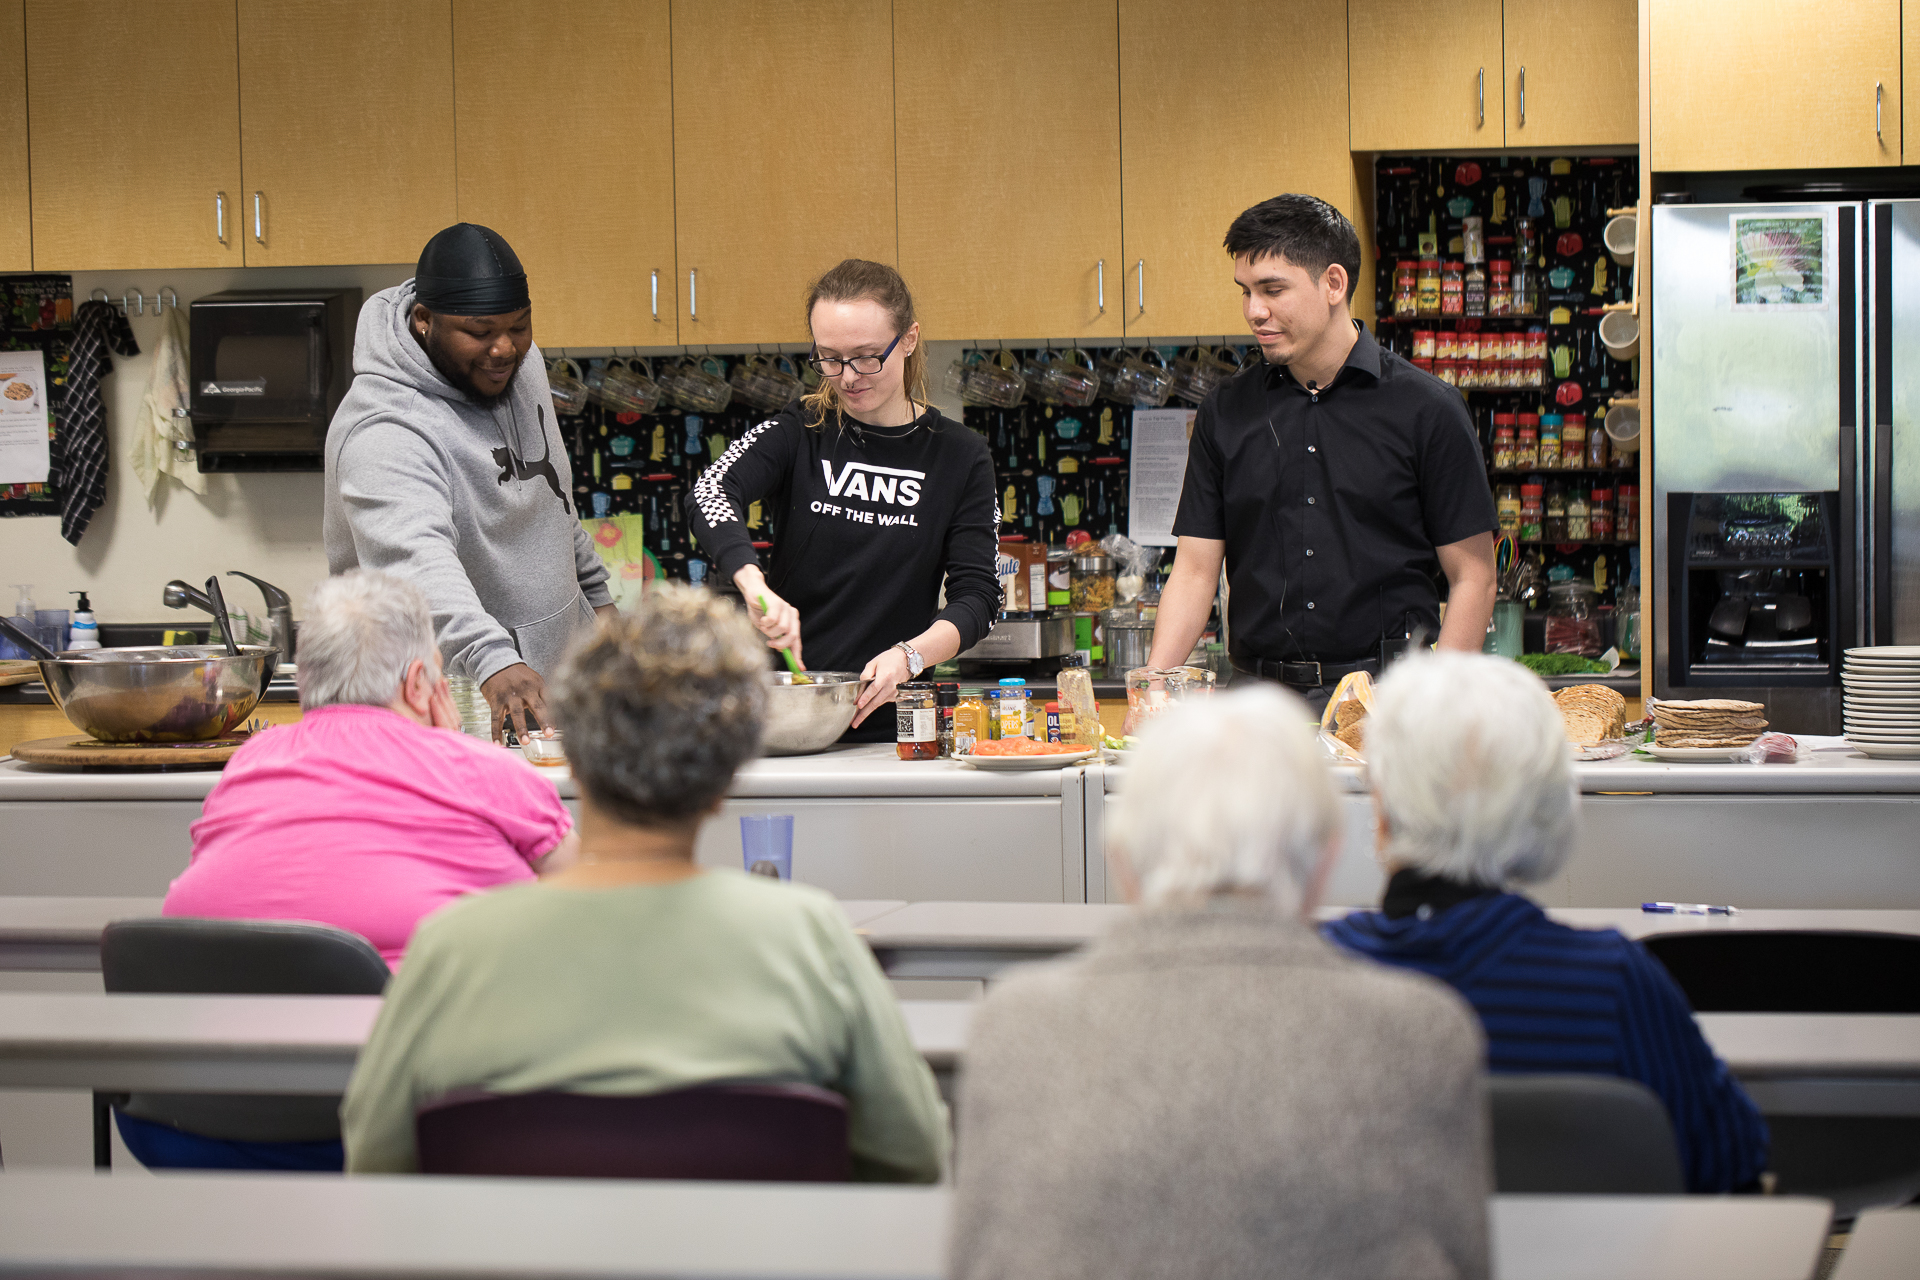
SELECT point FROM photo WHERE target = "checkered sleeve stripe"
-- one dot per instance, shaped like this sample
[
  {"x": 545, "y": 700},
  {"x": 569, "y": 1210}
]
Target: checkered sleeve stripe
[{"x": 715, "y": 509}]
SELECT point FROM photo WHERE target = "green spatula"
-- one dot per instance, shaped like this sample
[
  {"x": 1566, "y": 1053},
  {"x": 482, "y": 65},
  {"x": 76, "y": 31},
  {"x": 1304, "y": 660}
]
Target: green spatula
[{"x": 793, "y": 663}]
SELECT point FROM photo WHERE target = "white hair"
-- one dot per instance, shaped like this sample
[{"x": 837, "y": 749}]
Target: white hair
[
  {"x": 1225, "y": 794},
  {"x": 362, "y": 631},
  {"x": 1470, "y": 767}
]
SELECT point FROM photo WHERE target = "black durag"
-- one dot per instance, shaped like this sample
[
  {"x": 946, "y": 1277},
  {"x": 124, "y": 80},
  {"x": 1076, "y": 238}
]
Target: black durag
[{"x": 469, "y": 270}]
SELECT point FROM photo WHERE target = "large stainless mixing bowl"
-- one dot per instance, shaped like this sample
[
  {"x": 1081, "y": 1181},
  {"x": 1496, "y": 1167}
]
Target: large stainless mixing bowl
[
  {"x": 182, "y": 693},
  {"x": 803, "y": 718}
]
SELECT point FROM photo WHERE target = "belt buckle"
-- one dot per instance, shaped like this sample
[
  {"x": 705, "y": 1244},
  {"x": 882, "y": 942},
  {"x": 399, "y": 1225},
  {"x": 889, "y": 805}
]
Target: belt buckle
[{"x": 1299, "y": 667}]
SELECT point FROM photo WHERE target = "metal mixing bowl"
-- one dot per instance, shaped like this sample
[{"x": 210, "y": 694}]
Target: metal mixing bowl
[
  {"x": 182, "y": 693},
  {"x": 803, "y": 718}
]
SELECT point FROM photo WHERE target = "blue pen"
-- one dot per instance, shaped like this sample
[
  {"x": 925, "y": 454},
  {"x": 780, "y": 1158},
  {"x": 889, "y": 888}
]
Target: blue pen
[{"x": 1688, "y": 909}]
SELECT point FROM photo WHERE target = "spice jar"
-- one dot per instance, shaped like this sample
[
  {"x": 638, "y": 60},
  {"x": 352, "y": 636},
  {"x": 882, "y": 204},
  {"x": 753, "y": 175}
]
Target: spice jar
[
  {"x": 1579, "y": 516},
  {"x": 969, "y": 722},
  {"x": 1453, "y": 283},
  {"x": 916, "y": 718},
  {"x": 1626, "y": 513},
  {"x": 1526, "y": 446},
  {"x": 1573, "y": 441},
  {"x": 1553, "y": 523},
  {"x": 1537, "y": 343},
  {"x": 1596, "y": 447},
  {"x": 946, "y": 700},
  {"x": 1427, "y": 288},
  {"x": 1406, "y": 303},
  {"x": 1532, "y": 509},
  {"x": 1092, "y": 582},
  {"x": 1474, "y": 291},
  {"x": 1500, "y": 289},
  {"x": 1425, "y": 343},
  {"x": 1549, "y": 442},
  {"x": 1016, "y": 715},
  {"x": 1447, "y": 345},
  {"x": 1602, "y": 517},
  {"x": 1503, "y": 442},
  {"x": 1053, "y": 721},
  {"x": 1506, "y": 503}
]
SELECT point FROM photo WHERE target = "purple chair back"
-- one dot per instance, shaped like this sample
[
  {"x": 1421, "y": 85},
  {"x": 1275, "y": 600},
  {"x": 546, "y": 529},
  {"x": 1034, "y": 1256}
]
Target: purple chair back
[{"x": 730, "y": 1132}]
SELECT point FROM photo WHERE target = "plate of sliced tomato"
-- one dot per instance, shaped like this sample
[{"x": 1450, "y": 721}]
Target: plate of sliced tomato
[{"x": 1013, "y": 755}]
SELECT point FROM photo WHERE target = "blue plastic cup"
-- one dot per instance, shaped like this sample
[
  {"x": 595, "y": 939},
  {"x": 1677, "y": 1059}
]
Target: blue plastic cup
[{"x": 766, "y": 844}]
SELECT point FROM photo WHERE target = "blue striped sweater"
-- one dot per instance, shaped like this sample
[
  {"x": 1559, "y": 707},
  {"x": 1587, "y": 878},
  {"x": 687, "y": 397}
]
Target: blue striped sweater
[{"x": 1557, "y": 999}]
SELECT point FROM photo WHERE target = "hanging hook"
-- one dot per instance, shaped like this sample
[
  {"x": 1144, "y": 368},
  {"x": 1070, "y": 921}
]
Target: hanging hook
[
  {"x": 98, "y": 295},
  {"x": 168, "y": 296}
]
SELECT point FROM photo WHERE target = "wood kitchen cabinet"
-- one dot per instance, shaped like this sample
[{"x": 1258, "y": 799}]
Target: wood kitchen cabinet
[
  {"x": 565, "y": 146},
  {"x": 1425, "y": 74},
  {"x": 121, "y": 186},
  {"x": 1192, "y": 85},
  {"x": 783, "y": 157},
  {"x": 346, "y": 128},
  {"x": 1008, "y": 138},
  {"x": 16, "y": 230},
  {"x": 1572, "y": 73},
  {"x": 1784, "y": 84}
]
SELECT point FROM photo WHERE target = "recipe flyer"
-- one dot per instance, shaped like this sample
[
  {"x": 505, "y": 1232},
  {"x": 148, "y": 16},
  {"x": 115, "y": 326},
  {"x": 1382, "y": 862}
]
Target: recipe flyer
[
  {"x": 24, "y": 425},
  {"x": 1779, "y": 262},
  {"x": 1159, "y": 469}
]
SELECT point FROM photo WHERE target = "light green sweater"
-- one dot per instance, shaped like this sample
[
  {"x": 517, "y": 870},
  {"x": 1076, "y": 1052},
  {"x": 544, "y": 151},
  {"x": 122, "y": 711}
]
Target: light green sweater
[{"x": 640, "y": 989}]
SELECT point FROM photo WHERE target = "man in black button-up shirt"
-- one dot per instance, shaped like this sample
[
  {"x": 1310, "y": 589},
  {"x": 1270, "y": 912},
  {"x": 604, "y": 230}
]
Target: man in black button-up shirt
[{"x": 1336, "y": 480}]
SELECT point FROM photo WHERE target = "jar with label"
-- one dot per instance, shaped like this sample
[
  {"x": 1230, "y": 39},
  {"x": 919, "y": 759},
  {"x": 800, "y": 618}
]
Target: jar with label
[
  {"x": 946, "y": 699},
  {"x": 1537, "y": 342},
  {"x": 1526, "y": 290},
  {"x": 1626, "y": 513},
  {"x": 1602, "y": 518},
  {"x": 1053, "y": 721},
  {"x": 1446, "y": 345},
  {"x": 1549, "y": 442},
  {"x": 1015, "y": 709},
  {"x": 1426, "y": 294},
  {"x": 1553, "y": 521},
  {"x": 1503, "y": 442},
  {"x": 1406, "y": 303},
  {"x": 1092, "y": 582},
  {"x": 1453, "y": 283},
  {"x": 1474, "y": 291},
  {"x": 1506, "y": 505},
  {"x": 1532, "y": 509},
  {"x": 1526, "y": 443},
  {"x": 916, "y": 717},
  {"x": 1500, "y": 288},
  {"x": 1469, "y": 346},
  {"x": 1573, "y": 441},
  {"x": 969, "y": 721},
  {"x": 1448, "y": 371},
  {"x": 1425, "y": 344},
  {"x": 1579, "y": 516},
  {"x": 1473, "y": 239}
]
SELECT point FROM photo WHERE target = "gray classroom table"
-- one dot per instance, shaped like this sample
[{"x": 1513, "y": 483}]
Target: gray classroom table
[
  {"x": 1885, "y": 1245},
  {"x": 302, "y": 1223}
]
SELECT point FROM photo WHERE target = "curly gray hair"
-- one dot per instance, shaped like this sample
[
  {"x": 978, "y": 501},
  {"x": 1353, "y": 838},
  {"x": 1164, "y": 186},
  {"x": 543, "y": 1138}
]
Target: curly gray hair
[{"x": 661, "y": 706}]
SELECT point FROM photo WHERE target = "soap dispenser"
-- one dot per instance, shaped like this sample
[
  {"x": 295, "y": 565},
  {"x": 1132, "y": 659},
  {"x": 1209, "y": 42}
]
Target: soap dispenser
[{"x": 84, "y": 630}]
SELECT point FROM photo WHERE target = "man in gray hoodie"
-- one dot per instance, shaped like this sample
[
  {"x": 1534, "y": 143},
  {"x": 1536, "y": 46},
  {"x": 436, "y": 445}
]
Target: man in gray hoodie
[{"x": 445, "y": 465}]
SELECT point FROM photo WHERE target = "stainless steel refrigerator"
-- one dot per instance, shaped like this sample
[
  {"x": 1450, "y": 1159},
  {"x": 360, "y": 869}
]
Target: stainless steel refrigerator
[{"x": 1785, "y": 447}]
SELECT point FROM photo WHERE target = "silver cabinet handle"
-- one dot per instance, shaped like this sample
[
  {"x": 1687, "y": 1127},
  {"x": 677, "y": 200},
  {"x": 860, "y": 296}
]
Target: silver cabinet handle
[
  {"x": 259, "y": 226},
  {"x": 693, "y": 293},
  {"x": 220, "y": 216},
  {"x": 1481, "y": 90},
  {"x": 656, "y": 295},
  {"x": 1140, "y": 285},
  {"x": 1523, "y": 97},
  {"x": 1879, "y": 95},
  {"x": 1101, "y": 267}
]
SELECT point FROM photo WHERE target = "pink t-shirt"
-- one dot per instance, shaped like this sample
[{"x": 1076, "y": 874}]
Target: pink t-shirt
[{"x": 358, "y": 817}]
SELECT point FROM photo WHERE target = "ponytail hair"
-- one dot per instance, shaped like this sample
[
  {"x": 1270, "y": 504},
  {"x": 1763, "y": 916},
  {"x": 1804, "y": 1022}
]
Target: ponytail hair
[{"x": 858, "y": 280}]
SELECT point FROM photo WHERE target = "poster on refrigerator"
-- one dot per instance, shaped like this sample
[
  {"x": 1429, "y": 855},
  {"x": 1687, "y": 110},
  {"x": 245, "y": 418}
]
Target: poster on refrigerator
[
  {"x": 1779, "y": 262},
  {"x": 24, "y": 424},
  {"x": 1159, "y": 469}
]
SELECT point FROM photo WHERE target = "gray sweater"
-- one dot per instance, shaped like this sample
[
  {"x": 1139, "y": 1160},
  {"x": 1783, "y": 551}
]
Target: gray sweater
[
  {"x": 473, "y": 506},
  {"x": 1219, "y": 1093}
]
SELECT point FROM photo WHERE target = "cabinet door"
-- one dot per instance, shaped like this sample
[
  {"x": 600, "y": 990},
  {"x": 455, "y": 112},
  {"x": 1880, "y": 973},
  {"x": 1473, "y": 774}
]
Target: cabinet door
[
  {"x": 1573, "y": 73},
  {"x": 346, "y": 128},
  {"x": 1188, "y": 76},
  {"x": 1009, "y": 143},
  {"x": 1789, "y": 84},
  {"x": 566, "y": 149},
  {"x": 783, "y": 157},
  {"x": 16, "y": 239},
  {"x": 117, "y": 186},
  {"x": 1425, "y": 74}
]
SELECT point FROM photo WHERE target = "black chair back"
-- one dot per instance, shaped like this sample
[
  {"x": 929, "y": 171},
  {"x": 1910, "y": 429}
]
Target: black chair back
[
  {"x": 1581, "y": 1135},
  {"x": 188, "y": 955},
  {"x": 733, "y": 1132},
  {"x": 1792, "y": 970}
]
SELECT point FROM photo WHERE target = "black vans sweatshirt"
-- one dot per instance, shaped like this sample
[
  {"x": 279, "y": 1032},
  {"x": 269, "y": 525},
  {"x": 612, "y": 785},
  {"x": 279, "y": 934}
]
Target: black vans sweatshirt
[{"x": 872, "y": 519}]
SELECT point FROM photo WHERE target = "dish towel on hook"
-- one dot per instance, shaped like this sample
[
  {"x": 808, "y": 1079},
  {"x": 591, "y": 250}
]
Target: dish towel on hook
[
  {"x": 163, "y": 439},
  {"x": 98, "y": 328}
]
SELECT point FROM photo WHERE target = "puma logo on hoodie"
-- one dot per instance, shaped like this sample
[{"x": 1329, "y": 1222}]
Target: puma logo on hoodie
[{"x": 513, "y": 467}]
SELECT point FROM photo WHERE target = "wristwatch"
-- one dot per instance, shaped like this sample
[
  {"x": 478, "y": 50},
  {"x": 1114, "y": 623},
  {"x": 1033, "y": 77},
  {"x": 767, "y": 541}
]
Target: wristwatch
[{"x": 915, "y": 663}]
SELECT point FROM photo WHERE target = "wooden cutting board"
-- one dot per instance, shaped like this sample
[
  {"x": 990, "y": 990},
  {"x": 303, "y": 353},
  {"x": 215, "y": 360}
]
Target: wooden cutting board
[
  {"x": 18, "y": 671},
  {"x": 79, "y": 749}
]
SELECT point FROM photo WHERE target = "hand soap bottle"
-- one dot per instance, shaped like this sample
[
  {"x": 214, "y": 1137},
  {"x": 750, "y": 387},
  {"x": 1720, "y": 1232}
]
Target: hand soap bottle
[{"x": 84, "y": 630}]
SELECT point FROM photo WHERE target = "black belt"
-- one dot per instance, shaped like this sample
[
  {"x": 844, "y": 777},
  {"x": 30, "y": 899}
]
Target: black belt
[{"x": 1304, "y": 673}]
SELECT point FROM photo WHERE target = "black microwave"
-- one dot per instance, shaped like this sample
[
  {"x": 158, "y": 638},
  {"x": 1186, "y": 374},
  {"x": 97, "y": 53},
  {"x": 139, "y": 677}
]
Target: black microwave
[{"x": 269, "y": 367}]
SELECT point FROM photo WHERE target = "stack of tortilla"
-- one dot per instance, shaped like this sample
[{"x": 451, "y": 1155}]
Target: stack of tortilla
[
  {"x": 1592, "y": 712},
  {"x": 1708, "y": 722}
]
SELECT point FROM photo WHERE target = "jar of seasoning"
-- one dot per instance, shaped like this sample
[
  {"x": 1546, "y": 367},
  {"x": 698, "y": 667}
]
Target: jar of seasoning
[
  {"x": 1573, "y": 441},
  {"x": 969, "y": 722},
  {"x": 946, "y": 700},
  {"x": 1550, "y": 442},
  {"x": 1536, "y": 373},
  {"x": 1532, "y": 509},
  {"x": 1626, "y": 513},
  {"x": 1053, "y": 721},
  {"x": 1537, "y": 342},
  {"x": 1506, "y": 503},
  {"x": 916, "y": 719},
  {"x": 1425, "y": 342},
  {"x": 1092, "y": 581},
  {"x": 1579, "y": 516},
  {"x": 1602, "y": 518},
  {"x": 1426, "y": 294},
  {"x": 1503, "y": 442},
  {"x": 1448, "y": 371},
  {"x": 1453, "y": 284},
  {"x": 1500, "y": 290},
  {"x": 1596, "y": 447},
  {"x": 1446, "y": 345},
  {"x": 1406, "y": 304},
  {"x": 1553, "y": 522},
  {"x": 1015, "y": 714},
  {"x": 1474, "y": 291},
  {"x": 1526, "y": 446},
  {"x": 1469, "y": 345}
]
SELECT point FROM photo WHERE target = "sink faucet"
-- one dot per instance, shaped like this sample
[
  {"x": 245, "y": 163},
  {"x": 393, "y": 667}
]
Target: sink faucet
[
  {"x": 279, "y": 614},
  {"x": 178, "y": 595}
]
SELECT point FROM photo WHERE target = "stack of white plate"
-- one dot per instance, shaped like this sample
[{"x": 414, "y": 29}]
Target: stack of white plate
[{"x": 1882, "y": 700}]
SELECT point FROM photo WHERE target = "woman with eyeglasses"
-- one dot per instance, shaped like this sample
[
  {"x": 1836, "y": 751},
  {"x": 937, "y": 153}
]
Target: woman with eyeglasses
[{"x": 878, "y": 498}]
